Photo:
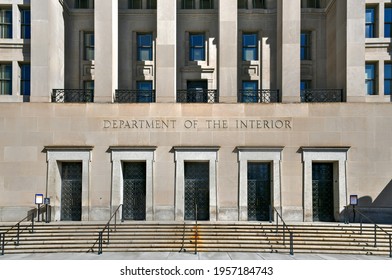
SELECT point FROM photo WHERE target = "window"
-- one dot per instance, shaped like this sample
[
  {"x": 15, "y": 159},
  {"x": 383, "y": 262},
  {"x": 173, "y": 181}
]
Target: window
[
  {"x": 242, "y": 4},
  {"x": 206, "y": 4},
  {"x": 249, "y": 47},
  {"x": 135, "y": 4},
  {"x": 388, "y": 22},
  {"x": 5, "y": 79},
  {"x": 151, "y": 4},
  {"x": 315, "y": 4},
  {"x": 25, "y": 24},
  {"x": 305, "y": 84},
  {"x": 144, "y": 91},
  {"x": 197, "y": 47},
  {"x": 25, "y": 79},
  {"x": 188, "y": 4},
  {"x": 5, "y": 23},
  {"x": 249, "y": 92},
  {"x": 197, "y": 91},
  {"x": 388, "y": 78},
  {"x": 306, "y": 46},
  {"x": 258, "y": 4},
  {"x": 370, "y": 22},
  {"x": 144, "y": 47},
  {"x": 88, "y": 85},
  {"x": 84, "y": 4},
  {"x": 89, "y": 46},
  {"x": 370, "y": 78}
]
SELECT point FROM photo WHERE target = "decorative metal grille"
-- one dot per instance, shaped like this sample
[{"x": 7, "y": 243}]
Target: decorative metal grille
[
  {"x": 134, "y": 96},
  {"x": 134, "y": 193},
  {"x": 71, "y": 191},
  {"x": 197, "y": 191},
  {"x": 72, "y": 95},
  {"x": 197, "y": 96},
  {"x": 259, "y": 191},
  {"x": 322, "y": 95},
  {"x": 323, "y": 192},
  {"x": 259, "y": 96}
]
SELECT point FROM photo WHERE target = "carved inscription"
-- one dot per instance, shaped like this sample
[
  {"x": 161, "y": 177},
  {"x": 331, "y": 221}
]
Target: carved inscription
[{"x": 200, "y": 124}]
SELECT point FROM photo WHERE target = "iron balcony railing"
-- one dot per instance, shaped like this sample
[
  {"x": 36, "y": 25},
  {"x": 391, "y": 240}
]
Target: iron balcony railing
[
  {"x": 322, "y": 95},
  {"x": 72, "y": 95},
  {"x": 134, "y": 96},
  {"x": 259, "y": 96},
  {"x": 197, "y": 96}
]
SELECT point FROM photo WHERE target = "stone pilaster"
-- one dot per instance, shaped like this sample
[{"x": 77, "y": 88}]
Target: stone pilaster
[
  {"x": 47, "y": 49},
  {"x": 228, "y": 51},
  {"x": 106, "y": 50},
  {"x": 289, "y": 64},
  {"x": 166, "y": 45}
]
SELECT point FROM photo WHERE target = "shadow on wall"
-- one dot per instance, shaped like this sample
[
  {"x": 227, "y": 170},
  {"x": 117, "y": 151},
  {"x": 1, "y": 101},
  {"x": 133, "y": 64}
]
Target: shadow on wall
[{"x": 379, "y": 210}]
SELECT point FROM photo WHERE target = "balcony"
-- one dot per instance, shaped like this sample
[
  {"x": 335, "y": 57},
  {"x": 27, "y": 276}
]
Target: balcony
[
  {"x": 258, "y": 96},
  {"x": 72, "y": 95},
  {"x": 134, "y": 96},
  {"x": 197, "y": 96},
  {"x": 322, "y": 95}
]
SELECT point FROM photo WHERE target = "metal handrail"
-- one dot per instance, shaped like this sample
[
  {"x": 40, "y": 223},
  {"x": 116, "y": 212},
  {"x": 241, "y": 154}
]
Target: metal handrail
[
  {"x": 376, "y": 226},
  {"x": 285, "y": 227},
  {"x": 107, "y": 227},
  {"x": 2, "y": 235},
  {"x": 183, "y": 240}
]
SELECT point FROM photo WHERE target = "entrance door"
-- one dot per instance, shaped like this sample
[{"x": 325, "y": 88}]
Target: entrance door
[
  {"x": 259, "y": 191},
  {"x": 71, "y": 191},
  {"x": 134, "y": 191},
  {"x": 322, "y": 174},
  {"x": 197, "y": 191}
]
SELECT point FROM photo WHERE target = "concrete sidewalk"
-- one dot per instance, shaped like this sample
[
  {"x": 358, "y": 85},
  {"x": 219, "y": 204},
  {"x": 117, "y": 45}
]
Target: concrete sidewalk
[{"x": 188, "y": 256}]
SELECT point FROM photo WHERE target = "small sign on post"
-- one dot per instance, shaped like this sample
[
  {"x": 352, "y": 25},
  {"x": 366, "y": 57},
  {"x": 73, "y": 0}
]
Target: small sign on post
[
  {"x": 353, "y": 203},
  {"x": 39, "y": 199}
]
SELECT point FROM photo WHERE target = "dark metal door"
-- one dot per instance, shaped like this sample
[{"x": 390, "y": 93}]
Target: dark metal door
[
  {"x": 322, "y": 174},
  {"x": 134, "y": 191},
  {"x": 197, "y": 191},
  {"x": 259, "y": 191},
  {"x": 71, "y": 191}
]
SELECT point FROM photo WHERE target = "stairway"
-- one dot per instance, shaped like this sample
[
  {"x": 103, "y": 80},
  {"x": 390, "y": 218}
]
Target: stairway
[{"x": 214, "y": 237}]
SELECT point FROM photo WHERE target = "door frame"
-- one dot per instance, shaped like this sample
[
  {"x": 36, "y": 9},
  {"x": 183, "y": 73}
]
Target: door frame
[
  {"x": 54, "y": 156},
  {"x": 183, "y": 154},
  {"x": 120, "y": 154},
  {"x": 259, "y": 154},
  {"x": 336, "y": 155}
]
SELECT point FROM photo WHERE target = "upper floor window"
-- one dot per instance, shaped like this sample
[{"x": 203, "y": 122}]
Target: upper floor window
[
  {"x": 5, "y": 79},
  {"x": 84, "y": 4},
  {"x": 152, "y": 4},
  {"x": 25, "y": 24},
  {"x": 306, "y": 46},
  {"x": 370, "y": 22},
  {"x": 135, "y": 4},
  {"x": 315, "y": 4},
  {"x": 25, "y": 79},
  {"x": 88, "y": 46},
  {"x": 144, "y": 91},
  {"x": 388, "y": 22},
  {"x": 144, "y": 47},
  {"x": 305, "y": 84},
  {"x": 370, "y": 78},
  {"x": 5, "y": 23},
  {"x": 242, "y": 4},
  {"x": 193, "y": 4},
  {"x": 197, "y": 50},
  {"x": 249, "y": 93},
  {"x": 249, "y": 47},
  {"x": 388, "y": 78},
  {"x": 258, "y": 4}
]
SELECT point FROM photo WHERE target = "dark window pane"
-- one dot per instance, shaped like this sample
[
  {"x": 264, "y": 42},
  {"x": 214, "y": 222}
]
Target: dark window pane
[
  {"x": 135, "y": 4},
  {"x": 242, "y": 4},
  {"x": 144, "y": 47},
  {"x": 249, "y": 47},
  {"x": 197, "y": 49}
]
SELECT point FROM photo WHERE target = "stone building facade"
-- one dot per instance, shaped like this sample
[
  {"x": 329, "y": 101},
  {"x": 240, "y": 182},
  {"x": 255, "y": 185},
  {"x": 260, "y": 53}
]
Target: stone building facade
[{"x": 185, "y": 109}]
